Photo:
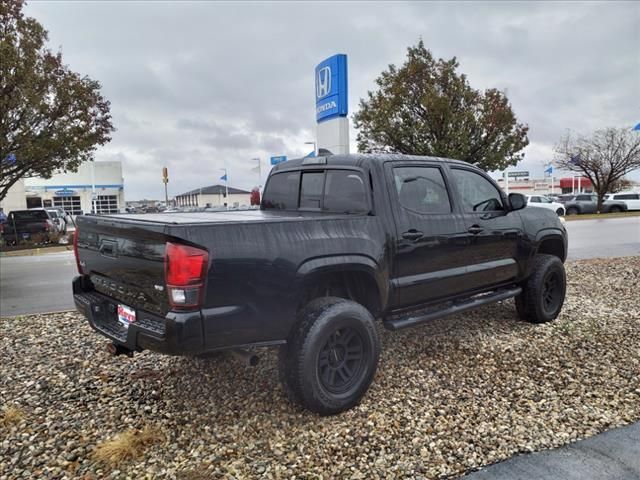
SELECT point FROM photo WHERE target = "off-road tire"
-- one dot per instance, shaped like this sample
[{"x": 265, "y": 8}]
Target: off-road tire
[
  {"x": 330, "y": 357},
  {"x": 544, "y": 291}
]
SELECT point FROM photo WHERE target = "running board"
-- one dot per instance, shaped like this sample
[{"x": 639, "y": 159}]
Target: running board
[{"x": 461, "y": 306}]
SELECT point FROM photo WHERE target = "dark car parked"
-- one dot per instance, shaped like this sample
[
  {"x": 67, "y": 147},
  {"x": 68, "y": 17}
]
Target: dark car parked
[
  {"x": 588, "y": 203},
  {"x": 31, "y": 224},
  {"x": 340, "y": 241}
]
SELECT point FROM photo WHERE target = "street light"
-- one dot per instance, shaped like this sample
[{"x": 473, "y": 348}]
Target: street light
[{"x": 259, "y": 171}]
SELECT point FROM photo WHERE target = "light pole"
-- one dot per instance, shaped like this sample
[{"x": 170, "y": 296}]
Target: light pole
[
  {"x": 93, "y": 186},
  {"x": 259, "y": 172},
  {"x": 314, "y": 146}
]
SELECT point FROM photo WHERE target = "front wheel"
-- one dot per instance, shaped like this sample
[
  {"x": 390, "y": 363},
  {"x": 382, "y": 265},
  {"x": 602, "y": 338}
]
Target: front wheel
[
  {"x": 331, "y": 357},
  {"x": 560, "y": 212},
  {"x": 544, "y": 291},
  {"x": 615, "y": 210},
  {"x": 572, "y": 211}
]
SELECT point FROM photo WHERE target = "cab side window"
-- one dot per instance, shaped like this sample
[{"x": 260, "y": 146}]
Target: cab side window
[
  {"x": 477, "y": 194},
  {"x": 422, "y": 189}
]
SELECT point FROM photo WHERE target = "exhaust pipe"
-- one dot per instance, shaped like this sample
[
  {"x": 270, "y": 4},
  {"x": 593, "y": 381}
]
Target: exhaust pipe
[
  {"x": 116, "y": 350},
  {"x": 251, "y": 359}
]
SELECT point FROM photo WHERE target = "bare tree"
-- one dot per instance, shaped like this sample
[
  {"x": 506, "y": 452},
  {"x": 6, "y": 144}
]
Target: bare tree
[{"x": 604, "y": 157}]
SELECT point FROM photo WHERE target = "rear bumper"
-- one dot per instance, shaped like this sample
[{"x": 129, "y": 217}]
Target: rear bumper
[{"x": 175, "y": 334}]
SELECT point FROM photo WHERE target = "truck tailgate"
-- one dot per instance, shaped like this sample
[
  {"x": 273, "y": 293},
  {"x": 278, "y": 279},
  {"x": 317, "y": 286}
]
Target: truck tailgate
[{"x": 124, "y": 260}]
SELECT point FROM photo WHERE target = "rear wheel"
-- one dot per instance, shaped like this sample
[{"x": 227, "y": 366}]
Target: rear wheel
[
  {"x": 615, "y": 209},
  {"x": 543, "y": 293},
  {"x": 572, "y": 211},
  {"x": 331, "y": 357},
  {"x": 560, "y": 212}
]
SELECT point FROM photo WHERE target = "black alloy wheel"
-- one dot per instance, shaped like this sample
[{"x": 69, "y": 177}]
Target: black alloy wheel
[
  {"x": 341, "y": 360},
  {"x": 331, "y": 356},
  {"x": 552, "y": 295}
]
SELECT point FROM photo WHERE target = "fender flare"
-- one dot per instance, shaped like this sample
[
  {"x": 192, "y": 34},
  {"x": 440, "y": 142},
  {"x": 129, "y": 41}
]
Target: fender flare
[
  {"x": 346, "y": 263},
  {"x": 552, "y": 233}
]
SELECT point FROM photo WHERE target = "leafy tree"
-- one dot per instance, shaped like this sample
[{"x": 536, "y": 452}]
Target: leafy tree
[
  {"x": 51, "y": 118},
  {"x": 604, "y": 157},
  {"x": 426, "y": 107}
]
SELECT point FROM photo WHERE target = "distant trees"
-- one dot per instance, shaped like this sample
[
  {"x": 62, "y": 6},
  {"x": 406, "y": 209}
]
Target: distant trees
[
  {"x": 51, "y": 118},
  {"x": 425, "y": 107},
  {"x": 604, "y": 157}
]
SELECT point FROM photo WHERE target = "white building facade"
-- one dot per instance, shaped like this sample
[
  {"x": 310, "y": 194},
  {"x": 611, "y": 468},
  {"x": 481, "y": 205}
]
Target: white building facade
[
  {"x": 74, "y": 191},
  {"x": 214, "y": 196}
]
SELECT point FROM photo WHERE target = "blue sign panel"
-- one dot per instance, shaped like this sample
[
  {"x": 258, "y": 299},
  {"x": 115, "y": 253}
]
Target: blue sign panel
[
  {"x": 65, "y": 192},
  {"x": 331, "y": 88},
  {"x": 277, "y": 160}
]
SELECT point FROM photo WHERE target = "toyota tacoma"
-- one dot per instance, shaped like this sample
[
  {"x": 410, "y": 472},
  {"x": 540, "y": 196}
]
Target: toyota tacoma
[{"x": 340, "y": 243}]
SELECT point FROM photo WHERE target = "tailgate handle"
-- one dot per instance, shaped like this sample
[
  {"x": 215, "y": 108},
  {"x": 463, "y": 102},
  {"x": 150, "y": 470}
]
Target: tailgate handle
[{"x": 108, "y": 248}]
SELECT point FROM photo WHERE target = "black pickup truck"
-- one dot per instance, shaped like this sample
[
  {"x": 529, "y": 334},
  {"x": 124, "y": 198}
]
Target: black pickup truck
[{"x": 340, "y": 242}]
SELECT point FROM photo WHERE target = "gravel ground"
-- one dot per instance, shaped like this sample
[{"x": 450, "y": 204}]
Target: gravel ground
[{"x": 449, "y": 397}]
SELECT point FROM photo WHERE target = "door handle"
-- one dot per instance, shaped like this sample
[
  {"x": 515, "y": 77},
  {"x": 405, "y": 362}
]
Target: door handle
[
  {"x": 475, "y": 229},
  {"x": 412, "y": 235}
]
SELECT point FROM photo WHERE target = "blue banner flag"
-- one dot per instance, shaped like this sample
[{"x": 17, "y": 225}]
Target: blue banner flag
[
  {"x": 637, "y": 127},
  {"x": 549, "y": 170},
  {"x": 224, "y": 177}
]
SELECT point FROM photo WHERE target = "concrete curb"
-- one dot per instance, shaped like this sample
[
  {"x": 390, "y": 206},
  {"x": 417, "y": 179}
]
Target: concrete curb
[
  {"x": 10, "y": 317},
  {"x": 36, "y": 251}
]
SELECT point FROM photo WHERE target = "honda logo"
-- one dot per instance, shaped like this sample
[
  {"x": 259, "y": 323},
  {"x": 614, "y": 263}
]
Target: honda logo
[{"x": 323, "y": 82}]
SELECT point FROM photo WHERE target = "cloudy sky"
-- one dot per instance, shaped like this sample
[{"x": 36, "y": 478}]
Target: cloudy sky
[{"x": 196, "y": 85}]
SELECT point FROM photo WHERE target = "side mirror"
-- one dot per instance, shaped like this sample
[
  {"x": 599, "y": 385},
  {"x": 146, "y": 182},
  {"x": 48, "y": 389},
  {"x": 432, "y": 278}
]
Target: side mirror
[{"x": 517, "y": 201}]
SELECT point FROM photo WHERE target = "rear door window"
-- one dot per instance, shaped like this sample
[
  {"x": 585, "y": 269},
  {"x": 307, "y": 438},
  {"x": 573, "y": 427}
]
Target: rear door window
[
  {"x": 282, "y": 191},
  {"x": 584, "y": 198},
  {"x": 422, "y": 189},
  {"x": 344, "y": 191}
]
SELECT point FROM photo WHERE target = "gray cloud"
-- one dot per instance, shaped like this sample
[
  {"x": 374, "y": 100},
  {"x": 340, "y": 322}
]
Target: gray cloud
[{"x": 196, "y": 86}]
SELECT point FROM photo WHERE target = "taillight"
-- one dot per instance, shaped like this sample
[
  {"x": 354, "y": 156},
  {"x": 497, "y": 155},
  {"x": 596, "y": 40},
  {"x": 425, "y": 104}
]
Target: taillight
[
  {"x": 185, "y": 269},
  {"x": 75, "y": 250}
]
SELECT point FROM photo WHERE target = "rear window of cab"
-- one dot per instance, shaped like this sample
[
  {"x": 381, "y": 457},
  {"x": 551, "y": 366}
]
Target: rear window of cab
[{"x": 330, "y": 190}]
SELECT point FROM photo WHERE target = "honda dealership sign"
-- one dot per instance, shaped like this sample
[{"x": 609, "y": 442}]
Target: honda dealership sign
[{"x": 331, "y": 88}]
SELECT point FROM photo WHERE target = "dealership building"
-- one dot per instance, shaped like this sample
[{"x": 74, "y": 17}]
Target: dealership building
[
  {"x": 72, "y": 191},
  {"x": 214, "y": 196}
]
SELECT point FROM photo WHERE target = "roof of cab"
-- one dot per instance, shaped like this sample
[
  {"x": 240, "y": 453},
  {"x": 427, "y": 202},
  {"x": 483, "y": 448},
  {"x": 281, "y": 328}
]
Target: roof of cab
[{"x": 357, "y": 160}]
